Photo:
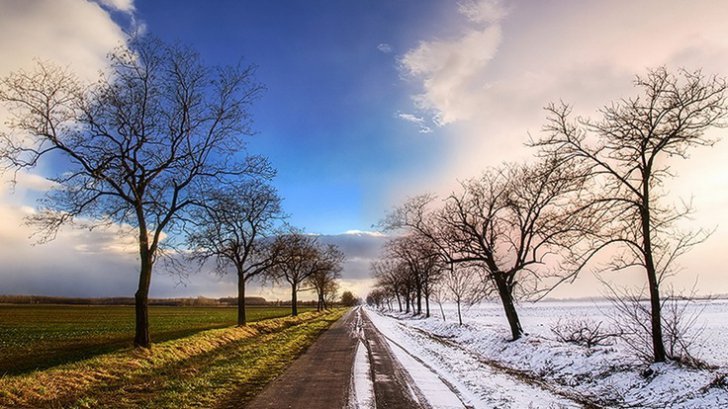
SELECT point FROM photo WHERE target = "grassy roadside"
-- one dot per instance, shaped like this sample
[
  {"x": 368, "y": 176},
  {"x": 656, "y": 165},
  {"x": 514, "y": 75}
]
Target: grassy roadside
[{"x": 215, "y": 368}]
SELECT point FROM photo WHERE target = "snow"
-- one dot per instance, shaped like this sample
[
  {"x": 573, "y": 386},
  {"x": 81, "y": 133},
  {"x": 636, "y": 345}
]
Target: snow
[
  {"x": 434, "y": 391},
  {"x": 474, "y": 383},
  {"x": 362, "y": 384},
  {"x": 487, "y": 370}
]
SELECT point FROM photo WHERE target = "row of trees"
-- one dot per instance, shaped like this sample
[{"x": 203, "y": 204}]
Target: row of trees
[
  {"x": 157, "y": 144},
  {"x": 593, "y": 186}
]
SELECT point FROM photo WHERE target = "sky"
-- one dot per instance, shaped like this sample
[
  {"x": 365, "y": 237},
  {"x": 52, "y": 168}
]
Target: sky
[{"x": 371, "y": 102}]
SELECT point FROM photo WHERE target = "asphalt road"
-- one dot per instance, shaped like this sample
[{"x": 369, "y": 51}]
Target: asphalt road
[
  {"x": 392, "y": 384},
  {"x": 320, "y": 378}
]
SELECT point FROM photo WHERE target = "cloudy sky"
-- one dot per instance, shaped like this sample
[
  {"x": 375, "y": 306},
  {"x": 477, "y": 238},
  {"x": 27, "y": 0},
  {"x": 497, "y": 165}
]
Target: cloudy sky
[{"x": 371, "y": 102}]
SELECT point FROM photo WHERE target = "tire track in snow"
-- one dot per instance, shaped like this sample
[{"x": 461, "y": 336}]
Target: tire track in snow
[
  {"x": 361, "y": 388},
  {"x": 424, "y": 384}
]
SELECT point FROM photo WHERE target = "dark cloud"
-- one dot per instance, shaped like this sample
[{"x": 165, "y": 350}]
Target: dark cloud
[{"x": 79, "y": 264}]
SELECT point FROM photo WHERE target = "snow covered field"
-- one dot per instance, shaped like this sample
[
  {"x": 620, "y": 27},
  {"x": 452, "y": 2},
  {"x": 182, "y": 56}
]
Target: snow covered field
[{"x": 486, "y": 370}]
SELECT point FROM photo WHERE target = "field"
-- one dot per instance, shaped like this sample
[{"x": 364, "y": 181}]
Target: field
[
  {"x": 218, "y": 368},
  {"x": 491, "y": 371},
  {"x": 41, "y": 336}
]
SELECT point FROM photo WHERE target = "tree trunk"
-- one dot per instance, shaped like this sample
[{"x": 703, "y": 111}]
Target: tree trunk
[
  {"x": 407, "y": 303},
  {"x": 241, "y": 300},
  {"x": 442, "y": 312},
  {"x": 510, "y": 309},
  {"x": 658, "y": 345},
  {"x": 460, "y": 317},
  {"x": 427, "y": 305},
  {"x": 141, "y": 297},
  {"x": 419, "y": 299},
  {"x": 294, "y": 300},
  {"x": 399, "y": 302}
]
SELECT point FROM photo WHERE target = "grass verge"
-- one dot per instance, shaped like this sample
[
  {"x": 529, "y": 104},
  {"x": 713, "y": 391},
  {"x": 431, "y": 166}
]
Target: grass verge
[{"x": 216, "y": 368}]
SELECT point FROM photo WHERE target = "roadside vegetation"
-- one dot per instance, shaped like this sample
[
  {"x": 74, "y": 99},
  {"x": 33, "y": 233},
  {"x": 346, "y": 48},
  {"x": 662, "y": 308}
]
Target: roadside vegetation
[{"x": 215, "y": 368}]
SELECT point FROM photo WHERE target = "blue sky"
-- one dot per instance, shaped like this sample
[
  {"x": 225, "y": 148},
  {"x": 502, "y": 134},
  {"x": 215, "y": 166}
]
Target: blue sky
[
  {"x": 328, "y": 120},
  {"x": 370, "y": 102}
]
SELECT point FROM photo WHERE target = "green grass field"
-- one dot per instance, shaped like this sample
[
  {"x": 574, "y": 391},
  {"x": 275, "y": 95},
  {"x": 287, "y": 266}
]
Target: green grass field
[
  {"x": 217, "y": 368},
  {"x": 41, "y": 336}
]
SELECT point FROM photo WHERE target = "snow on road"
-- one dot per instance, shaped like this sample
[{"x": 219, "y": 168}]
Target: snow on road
[
  {"x": 430, "y": 387},
  {"x": 449, "y": 377},
  {"x": 362, "y": 386}
]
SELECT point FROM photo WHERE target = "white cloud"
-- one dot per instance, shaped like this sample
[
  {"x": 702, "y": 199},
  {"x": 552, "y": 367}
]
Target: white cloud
[
  {"x": 479, "y": 11},
  {"x": 76, "y": 34},
  {"x": 418, "y": 120},
  {"x": 364, "y": 233},
  {"x": 385, "y": 48},
  {"x": 411, "y": 118},
  {"x": 126, "y": 6},
  {"x": 451, "y": 70}
]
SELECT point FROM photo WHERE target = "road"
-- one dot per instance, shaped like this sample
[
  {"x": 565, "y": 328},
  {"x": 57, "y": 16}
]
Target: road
[
  {"x": 320, "y": 378},
  {"x": 359, "y": 365},
  {"x": 323, "y": 376}
]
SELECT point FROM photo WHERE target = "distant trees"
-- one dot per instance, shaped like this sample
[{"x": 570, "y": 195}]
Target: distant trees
[
  {"x": 136, "y": 147},
  {"x": 302, "y": 257},
  {"x": 421, "y": 264},
  {"x": 236, "y": 226},
  {"x": 392, "y": 280},
  {"x": 627, "y": 152},
  {"x": 323, "y": 279},
  {"x": 348, "y": 299}
]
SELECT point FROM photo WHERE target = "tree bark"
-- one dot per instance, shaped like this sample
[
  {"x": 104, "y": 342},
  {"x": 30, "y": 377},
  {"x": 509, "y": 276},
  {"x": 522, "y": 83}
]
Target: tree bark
[
  {"x": 460, "y": 317},
  {"x": 658, "y": 345},
  {"x": 419, "y": 299},
  {"x": 294, "y": 300},
  {"x": 427, "y": 305},
  {"x": 399, "y": 301},
  {"x": 141, "y": 297},
  {"x": 241, "y": 300},
  {"x": 506, "y": 297}
]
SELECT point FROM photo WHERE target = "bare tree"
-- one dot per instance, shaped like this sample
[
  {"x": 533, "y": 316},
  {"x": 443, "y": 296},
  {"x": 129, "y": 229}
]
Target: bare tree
[
  {"x": 323, "y": 279},
  {"x": 136, "y": 145},
  {"x": 508, "y": 221},
  {"x": 464, "y": 285},
  {"x": 236, "y": 227},
  {"x": 627, "y": 151},
  {"x": 422, "y": 263},
  {"x": 390, "y": 276},
  {"x": 375, "y": 298},
  {"x": 302, "y": 256},
  {"x": 349, "y": 300}
]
